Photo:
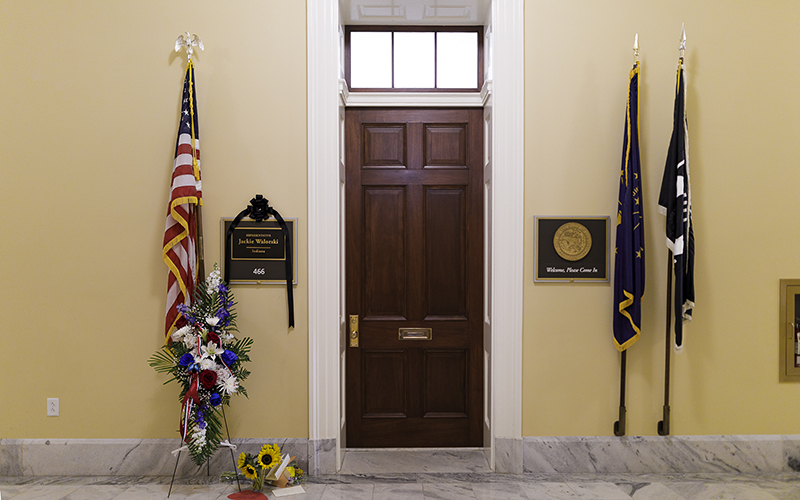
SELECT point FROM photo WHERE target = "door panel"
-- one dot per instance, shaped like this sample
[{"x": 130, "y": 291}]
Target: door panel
[
  {"x": 384, "y": 254},
  {"x": 445, "y": 251},
  {"x": 384, "y": 146},
  {"x": 446, "y": 145},
  {"x": 384, "y": 383},
  {"x": 414, "y": 259}
]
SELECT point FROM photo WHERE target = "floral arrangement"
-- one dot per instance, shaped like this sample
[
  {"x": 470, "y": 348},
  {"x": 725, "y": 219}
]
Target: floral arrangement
[
  {"x": 256, "y": 467},
  {"x": 206, "y": 360}
]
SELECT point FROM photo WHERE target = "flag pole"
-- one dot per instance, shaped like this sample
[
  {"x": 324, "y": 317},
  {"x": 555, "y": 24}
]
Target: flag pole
[
  {"x": 619, "y": 425},
  {"x": 190, "y": 41},
  {"x": 663, "y": 425}
]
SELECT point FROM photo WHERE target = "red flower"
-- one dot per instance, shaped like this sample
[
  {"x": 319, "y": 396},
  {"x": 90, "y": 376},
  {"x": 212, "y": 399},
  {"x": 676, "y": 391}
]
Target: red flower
[
  {"x": 213, "y": 337},
  {"x": 208, "y": 378}
]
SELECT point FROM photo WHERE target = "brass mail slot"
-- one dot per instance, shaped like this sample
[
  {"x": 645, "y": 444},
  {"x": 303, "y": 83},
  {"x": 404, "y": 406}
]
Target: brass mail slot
[{"x": 414, "y": 334}]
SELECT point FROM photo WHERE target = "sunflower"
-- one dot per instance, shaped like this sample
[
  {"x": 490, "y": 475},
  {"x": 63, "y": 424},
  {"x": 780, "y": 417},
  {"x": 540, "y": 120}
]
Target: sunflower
[
  {"x": 242, "y": 460},
  {"x": 269, "y": 457},
  {"x": 249, "y": 471}
]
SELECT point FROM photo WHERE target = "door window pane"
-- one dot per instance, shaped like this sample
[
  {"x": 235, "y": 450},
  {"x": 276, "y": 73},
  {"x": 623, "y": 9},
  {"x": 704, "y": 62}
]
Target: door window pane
[
  {"x": 414, "y": 61},
  {"x": 414, "y": 58},
  {"x": 371, "y": 59},
  {"x": 457, "y": 60}
]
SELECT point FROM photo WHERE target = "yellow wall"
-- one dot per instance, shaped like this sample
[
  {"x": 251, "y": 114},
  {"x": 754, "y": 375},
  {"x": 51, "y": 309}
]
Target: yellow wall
[
  {"x": 88, "y": 115},
  {"x": 88, "y": 118},
  {"x": 744, "y": 119}
]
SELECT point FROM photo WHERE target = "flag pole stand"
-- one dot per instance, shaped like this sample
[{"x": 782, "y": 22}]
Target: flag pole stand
[
  {"x": 208, "y": 463},
  {"x": 619, "y": 425},
  {"x": 663, "y": 425}
]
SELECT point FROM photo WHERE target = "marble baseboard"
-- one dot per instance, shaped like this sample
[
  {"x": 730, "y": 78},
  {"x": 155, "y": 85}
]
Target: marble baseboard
[
  {"x": 10, "y": 457},
  {"x": 508, "y": 455},
  {"x": 125, "y": 457},
  {"x": 654, "y": 455},
  {"x": 762, "y": 454},
  {"x": 322, "y": 456}
]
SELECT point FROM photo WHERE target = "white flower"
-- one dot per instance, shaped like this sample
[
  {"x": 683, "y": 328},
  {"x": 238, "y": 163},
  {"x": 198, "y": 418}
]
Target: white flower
[
  {"x": 213, "y": 280},
  {"x": 212, "y": 320},
  {"x": 211, "y": 350},
  {"x": 178, "y": 334},
  {"x": 225, "y": 337},
  {"x": 207, "y": 364},
  {"x": 190, "y": 341},
  {"x": 229, "y": 385},
  {"x": 199, "y": 436}
]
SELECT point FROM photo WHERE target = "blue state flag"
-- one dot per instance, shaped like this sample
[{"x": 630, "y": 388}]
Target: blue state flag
[{"x": 629, "y": 251}]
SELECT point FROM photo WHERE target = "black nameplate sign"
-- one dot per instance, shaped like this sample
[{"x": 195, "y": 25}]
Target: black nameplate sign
[
  {"x": 258, "y": 243},
  {"x": 258, "y": 251},
  {"x": 571, "y": 249}
]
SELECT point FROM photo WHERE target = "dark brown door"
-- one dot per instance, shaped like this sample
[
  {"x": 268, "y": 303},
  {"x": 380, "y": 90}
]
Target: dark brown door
[{"x": 414, "y": 232}]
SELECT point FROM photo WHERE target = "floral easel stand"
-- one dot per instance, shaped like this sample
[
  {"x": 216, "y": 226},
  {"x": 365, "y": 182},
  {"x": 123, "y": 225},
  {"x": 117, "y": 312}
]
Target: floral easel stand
[{"x": 227, "y": 443}]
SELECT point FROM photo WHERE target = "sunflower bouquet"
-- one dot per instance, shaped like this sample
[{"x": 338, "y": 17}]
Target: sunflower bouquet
[{"x": 264, "y": 466}]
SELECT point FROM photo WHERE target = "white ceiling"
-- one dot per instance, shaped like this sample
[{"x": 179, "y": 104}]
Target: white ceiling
[{"x": 439, "y": 12}]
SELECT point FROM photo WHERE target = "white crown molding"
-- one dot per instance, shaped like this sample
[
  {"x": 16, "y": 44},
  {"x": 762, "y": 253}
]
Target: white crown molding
[
  {"x": 486, "y": 92},
  {"x": 411, "y": 99}
]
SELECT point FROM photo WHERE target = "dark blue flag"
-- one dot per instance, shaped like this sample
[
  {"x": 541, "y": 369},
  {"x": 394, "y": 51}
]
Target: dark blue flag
[
  {"x": 629, "y": 252},
  {"x": 675, "y": 201}
]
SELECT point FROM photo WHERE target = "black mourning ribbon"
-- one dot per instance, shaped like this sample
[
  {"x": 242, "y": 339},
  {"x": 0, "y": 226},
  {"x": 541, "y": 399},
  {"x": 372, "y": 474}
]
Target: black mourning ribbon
[{"x": 259, "y": 210}]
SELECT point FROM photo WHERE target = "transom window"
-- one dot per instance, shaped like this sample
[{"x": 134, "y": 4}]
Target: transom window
[{"x": 414, "y": 58}]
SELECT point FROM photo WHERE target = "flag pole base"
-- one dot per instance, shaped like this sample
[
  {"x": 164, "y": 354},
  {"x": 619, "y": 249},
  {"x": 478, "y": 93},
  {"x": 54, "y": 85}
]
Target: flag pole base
[
  {"x": 619, "y": 425},
  {"x": 663, "y": 425}
]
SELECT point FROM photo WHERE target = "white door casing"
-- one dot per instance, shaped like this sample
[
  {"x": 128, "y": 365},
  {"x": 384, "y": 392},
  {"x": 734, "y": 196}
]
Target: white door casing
[{"x": 504, "y": 176}]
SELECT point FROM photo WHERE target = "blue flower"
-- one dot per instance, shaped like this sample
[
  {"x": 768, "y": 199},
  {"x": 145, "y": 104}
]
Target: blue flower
[
  {"x": 229, "y": 357},
  {"x": 186, "y": 360},
  {"x": 215, "y": 399}
]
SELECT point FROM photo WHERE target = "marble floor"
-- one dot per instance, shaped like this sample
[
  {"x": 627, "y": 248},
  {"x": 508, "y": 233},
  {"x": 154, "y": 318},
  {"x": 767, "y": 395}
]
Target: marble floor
[{"x": 424, "y": 475}]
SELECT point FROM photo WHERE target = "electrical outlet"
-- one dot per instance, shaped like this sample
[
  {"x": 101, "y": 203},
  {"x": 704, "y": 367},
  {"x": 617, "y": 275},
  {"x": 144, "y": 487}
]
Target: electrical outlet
[{"x": 52, "y": 407}]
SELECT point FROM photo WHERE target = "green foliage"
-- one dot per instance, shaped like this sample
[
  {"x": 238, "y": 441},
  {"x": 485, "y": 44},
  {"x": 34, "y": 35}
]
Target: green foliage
[{"x": 210, "y": 369}]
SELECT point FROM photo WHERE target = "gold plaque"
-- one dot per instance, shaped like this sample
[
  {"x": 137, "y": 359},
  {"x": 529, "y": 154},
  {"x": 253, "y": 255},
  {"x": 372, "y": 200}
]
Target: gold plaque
[{"x": 572, "y": 241}]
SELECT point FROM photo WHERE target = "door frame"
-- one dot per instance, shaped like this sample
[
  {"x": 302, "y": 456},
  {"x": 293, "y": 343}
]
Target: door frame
[{"x": 326, "y": 317}]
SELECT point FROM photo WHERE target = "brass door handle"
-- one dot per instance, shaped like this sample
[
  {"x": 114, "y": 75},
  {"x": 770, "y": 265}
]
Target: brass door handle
[{"x": 353, "y": 330}]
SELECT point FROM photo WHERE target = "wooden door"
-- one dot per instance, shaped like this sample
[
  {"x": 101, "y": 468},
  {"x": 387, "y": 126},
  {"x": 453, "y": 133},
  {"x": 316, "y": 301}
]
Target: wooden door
[{"x": 414, "y": 260}]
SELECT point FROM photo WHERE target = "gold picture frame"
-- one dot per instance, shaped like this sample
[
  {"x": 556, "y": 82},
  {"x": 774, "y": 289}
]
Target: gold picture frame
[{"x": 789, "y": 329}]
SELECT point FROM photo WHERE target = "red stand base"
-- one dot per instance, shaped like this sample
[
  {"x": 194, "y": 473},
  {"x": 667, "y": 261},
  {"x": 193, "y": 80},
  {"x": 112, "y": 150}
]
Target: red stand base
[{"x": 247, "y": 495}]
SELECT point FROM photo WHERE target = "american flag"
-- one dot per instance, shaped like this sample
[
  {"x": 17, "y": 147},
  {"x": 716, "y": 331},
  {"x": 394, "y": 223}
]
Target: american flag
[{"x": 180, "y": 235}]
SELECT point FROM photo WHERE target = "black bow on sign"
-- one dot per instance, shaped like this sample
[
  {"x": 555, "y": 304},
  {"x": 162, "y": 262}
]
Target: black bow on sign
[{"x": 259, "y": 210}]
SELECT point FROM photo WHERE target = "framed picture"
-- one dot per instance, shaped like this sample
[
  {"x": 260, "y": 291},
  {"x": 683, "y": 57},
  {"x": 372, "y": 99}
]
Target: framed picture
[
  {"x": 569, "y": 249},
  {"x": 789, "y": 331}
]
